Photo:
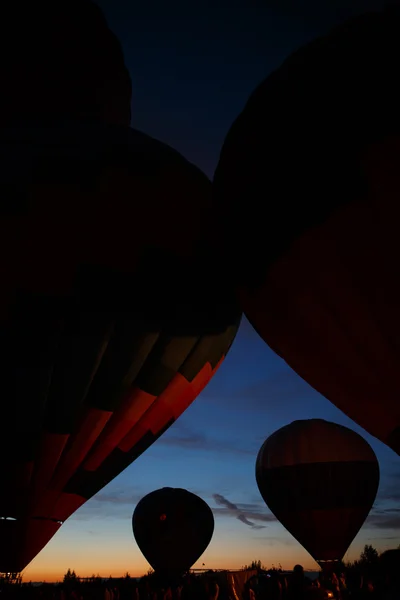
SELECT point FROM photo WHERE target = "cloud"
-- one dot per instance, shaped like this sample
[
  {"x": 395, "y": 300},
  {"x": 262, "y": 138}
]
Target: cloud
[
  {"x": 246, "y": 513},
  {"x": 115, "y": 504},
  {"x": 283, "y": 396},
  {"x": 271, "y": 540},
  {"x": 385, "y": 513},
  {"x": 390, "y": 490},
  {"x": 285, "y": 385},
  {"x": 387, "y": 522},
  {"x": 118, "y": 503},
  {"x": 384, "y": 518},
  {"x": 245, "y": 520},
  {"x": 118, "y": 497},
  {"x": 189, "y": 439},
  {"x": 385, "y": 537}
]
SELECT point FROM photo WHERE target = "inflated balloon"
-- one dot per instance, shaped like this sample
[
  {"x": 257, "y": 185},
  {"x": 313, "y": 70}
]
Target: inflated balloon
[
  {"x": 320, "y": 480},
  {"x": 307, "y": 190},
  {"x": 113, "y": 314},
  {"x": 60, "y": 59},
  {"x": 172, "y": 528}
]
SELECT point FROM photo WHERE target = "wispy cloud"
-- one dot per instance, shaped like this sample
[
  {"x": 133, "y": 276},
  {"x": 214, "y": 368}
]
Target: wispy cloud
[
  {"x": 246, "y": 513},
  {"x": 190, "y": 439},
  {"x": 121, "y": 497},
  {"x": 381, "y": 518},
  {"x": 116, "y": 504},
  {"x": 385, "y": 537},
  {"x": 285, "y": 385},
  {"x": 283, "y": 397},
  {"x": 277, "y": 540},
  {"x": 385, "y": 513},
  {"x": 390, "y": 487}
]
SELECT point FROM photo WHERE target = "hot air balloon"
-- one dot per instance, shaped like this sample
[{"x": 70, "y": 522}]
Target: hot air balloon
[
  {"x": 60, "y": 58},
  {"x": 320, "y": 480},
  {"x": 172, "y": 528},
  {"x": 114, "y": 314},
  {"x": 307, "y": 192}
]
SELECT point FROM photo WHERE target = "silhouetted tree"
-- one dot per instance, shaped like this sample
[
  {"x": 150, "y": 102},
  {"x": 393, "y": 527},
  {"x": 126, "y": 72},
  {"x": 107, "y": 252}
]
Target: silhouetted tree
[
  {"x": 368, "y": 563},
  {"x": 275, "y": 569},
  {"x": 254, "y": 565},
  {"x": 71, "y": 578},
  {"x": 369, "y": 556}
]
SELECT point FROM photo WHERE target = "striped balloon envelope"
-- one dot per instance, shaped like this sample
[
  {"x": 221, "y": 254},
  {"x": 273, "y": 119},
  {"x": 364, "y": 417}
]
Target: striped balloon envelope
[
  {"x": 172, "y": 528},
  {"x": 307, "y": 191},
  {"x": 320, "y": 480},
  {"x": 114, "y": 315}
]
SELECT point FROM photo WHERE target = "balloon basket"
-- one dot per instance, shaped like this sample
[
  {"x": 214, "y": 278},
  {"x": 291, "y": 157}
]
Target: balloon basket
[
  {"x": 328, "y": 566},
  {"x": 165, "y": 580}
]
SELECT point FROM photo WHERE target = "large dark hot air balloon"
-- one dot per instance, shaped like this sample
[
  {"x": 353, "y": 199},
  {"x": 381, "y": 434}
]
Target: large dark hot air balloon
[
  {"x": 307, "y": 190},
  {"x": 60, "y": 58},
  {"x": 114, "y": 315},
  {"x": 172, "y": 528},
  {"x": 320, "y": 480}
]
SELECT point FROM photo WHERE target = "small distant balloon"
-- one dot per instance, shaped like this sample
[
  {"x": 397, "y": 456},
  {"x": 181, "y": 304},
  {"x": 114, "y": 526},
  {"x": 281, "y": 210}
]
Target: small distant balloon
[
  {"x": 320, "y": 480},
  {"x": 172, "y": 528}
]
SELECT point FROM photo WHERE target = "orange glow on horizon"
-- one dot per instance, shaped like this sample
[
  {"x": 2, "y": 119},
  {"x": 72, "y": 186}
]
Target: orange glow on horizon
[
  {"x": 93, "y": 547},
  {"x": 53, "y": 569},
  {"x": 57, "y": 575},
  {"x": 51, "y": 566}
]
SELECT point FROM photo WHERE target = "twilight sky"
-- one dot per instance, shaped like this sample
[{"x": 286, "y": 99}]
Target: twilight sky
[{"x": 193, "y": 65}]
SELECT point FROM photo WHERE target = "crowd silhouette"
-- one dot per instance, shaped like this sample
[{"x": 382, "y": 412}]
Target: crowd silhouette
[
  {"x": 372, "y": 577},
  {"x": 97, "y": 366}
]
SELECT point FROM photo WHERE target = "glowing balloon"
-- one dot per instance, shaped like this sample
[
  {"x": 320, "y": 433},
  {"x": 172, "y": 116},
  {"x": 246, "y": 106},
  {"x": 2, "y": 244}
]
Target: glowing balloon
[{"x": 320, "y": 480}]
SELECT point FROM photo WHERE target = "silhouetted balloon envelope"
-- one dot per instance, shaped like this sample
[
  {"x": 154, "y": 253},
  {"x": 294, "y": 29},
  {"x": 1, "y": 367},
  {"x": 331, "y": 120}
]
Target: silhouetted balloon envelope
[
  {"x": 113, "y": 314},
  {"x": 307, "y": 192},
  {"x": 172, "y": 528},
  {"x": 320, "y": 480},
  {"x": 60, "y": 59}
]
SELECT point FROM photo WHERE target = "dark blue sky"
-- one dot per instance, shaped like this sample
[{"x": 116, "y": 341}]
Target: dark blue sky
[{"x": 193, "y": 65}]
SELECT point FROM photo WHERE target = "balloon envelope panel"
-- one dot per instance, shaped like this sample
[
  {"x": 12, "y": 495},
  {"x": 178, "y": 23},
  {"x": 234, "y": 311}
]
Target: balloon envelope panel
[
  {"x": 114, "y": 315},
  {"x": 172, "y": 527},
  {"x": 320, "y": 480},
  {"x": 67, "y": 57},
  {"x": 307, "y": 192}
]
